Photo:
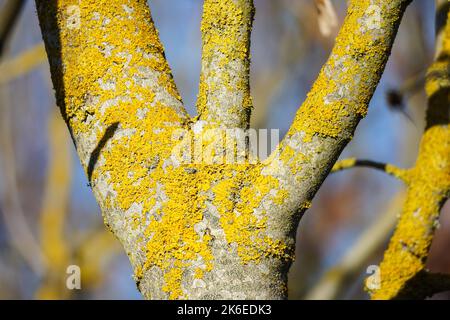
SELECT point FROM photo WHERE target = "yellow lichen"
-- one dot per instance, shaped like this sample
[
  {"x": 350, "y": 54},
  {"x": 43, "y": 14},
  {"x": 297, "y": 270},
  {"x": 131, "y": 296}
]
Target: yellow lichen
[{"x": 104, "y": 83}]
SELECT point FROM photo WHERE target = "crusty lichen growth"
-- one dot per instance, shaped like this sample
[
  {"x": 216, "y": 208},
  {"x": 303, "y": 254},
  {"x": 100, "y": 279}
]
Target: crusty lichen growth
[
  {"x": 399, "y": 173},
  {"x": 429, "y": 188},
  {"x": 224, "y": 91},
  {"x": 344, "y": 164},
  {"x": 339, "y": 99},
  {"x": 208, "y": 228},
  {"x": 111, "y": 72}
]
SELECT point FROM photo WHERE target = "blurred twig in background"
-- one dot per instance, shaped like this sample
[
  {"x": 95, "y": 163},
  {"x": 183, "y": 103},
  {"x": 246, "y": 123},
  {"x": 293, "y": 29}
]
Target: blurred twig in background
[
  {"x": 53, "y": 214},
  {"x": 21, "y": 236},
  {"x": 338, "y": 278},
  {"x": 94, "y": 253}
]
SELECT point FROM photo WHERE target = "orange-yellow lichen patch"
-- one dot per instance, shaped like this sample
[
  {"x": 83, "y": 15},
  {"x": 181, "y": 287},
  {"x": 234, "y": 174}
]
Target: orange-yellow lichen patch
[
  {"x": 399, "y": 173},
  {"x": 173, "y": 244},
  {"x": 107, "y": 58},
  {"x": 172, "y": 196},
  {"x": 344, "y": 164},
  {"x": 237, "y": 198}
]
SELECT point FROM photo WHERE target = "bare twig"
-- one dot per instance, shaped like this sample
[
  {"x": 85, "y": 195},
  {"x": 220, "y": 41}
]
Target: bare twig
[
  {"x": 390, "y": 169},
  {"x": 9, "y": 13}
]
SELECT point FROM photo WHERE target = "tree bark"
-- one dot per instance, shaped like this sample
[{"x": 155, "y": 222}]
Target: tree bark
[{"x": 204, "y": 229}]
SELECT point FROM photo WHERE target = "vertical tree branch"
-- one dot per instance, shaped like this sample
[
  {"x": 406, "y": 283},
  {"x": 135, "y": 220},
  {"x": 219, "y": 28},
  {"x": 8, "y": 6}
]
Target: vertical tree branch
[
  {"x": 404, "y": 260},
  {"x": 224, "y": 92}
]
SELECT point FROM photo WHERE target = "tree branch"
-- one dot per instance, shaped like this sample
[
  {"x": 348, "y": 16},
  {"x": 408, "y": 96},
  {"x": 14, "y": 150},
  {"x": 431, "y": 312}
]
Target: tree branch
[
  {"x": 422, "y": 285},
  {"x": 399, "y": 173},
  {"x": 339, "y": 98},
  {"x": 404, "y": 260},
  {"x": 108, "y": 66},
  {"x": 436, "y": 283},
  {"x": 224, "y": 92},
  {"x": 116, "y": 92},
  {"x": 54, "y": 243}
]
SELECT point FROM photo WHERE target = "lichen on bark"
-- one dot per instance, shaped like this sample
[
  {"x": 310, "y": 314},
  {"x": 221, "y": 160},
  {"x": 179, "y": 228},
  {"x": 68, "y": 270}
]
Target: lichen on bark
[{"x": 211, "y": 229}]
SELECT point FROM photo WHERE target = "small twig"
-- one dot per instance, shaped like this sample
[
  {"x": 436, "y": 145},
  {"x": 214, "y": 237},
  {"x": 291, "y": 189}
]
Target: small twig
[
  {"x": 54, "y": 243},
  {"x": 399, "y": 173}
]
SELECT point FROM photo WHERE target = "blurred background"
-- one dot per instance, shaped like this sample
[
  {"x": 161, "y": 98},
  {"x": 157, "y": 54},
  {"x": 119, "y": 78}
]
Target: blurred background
[{"x": 49, "y": 218}]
